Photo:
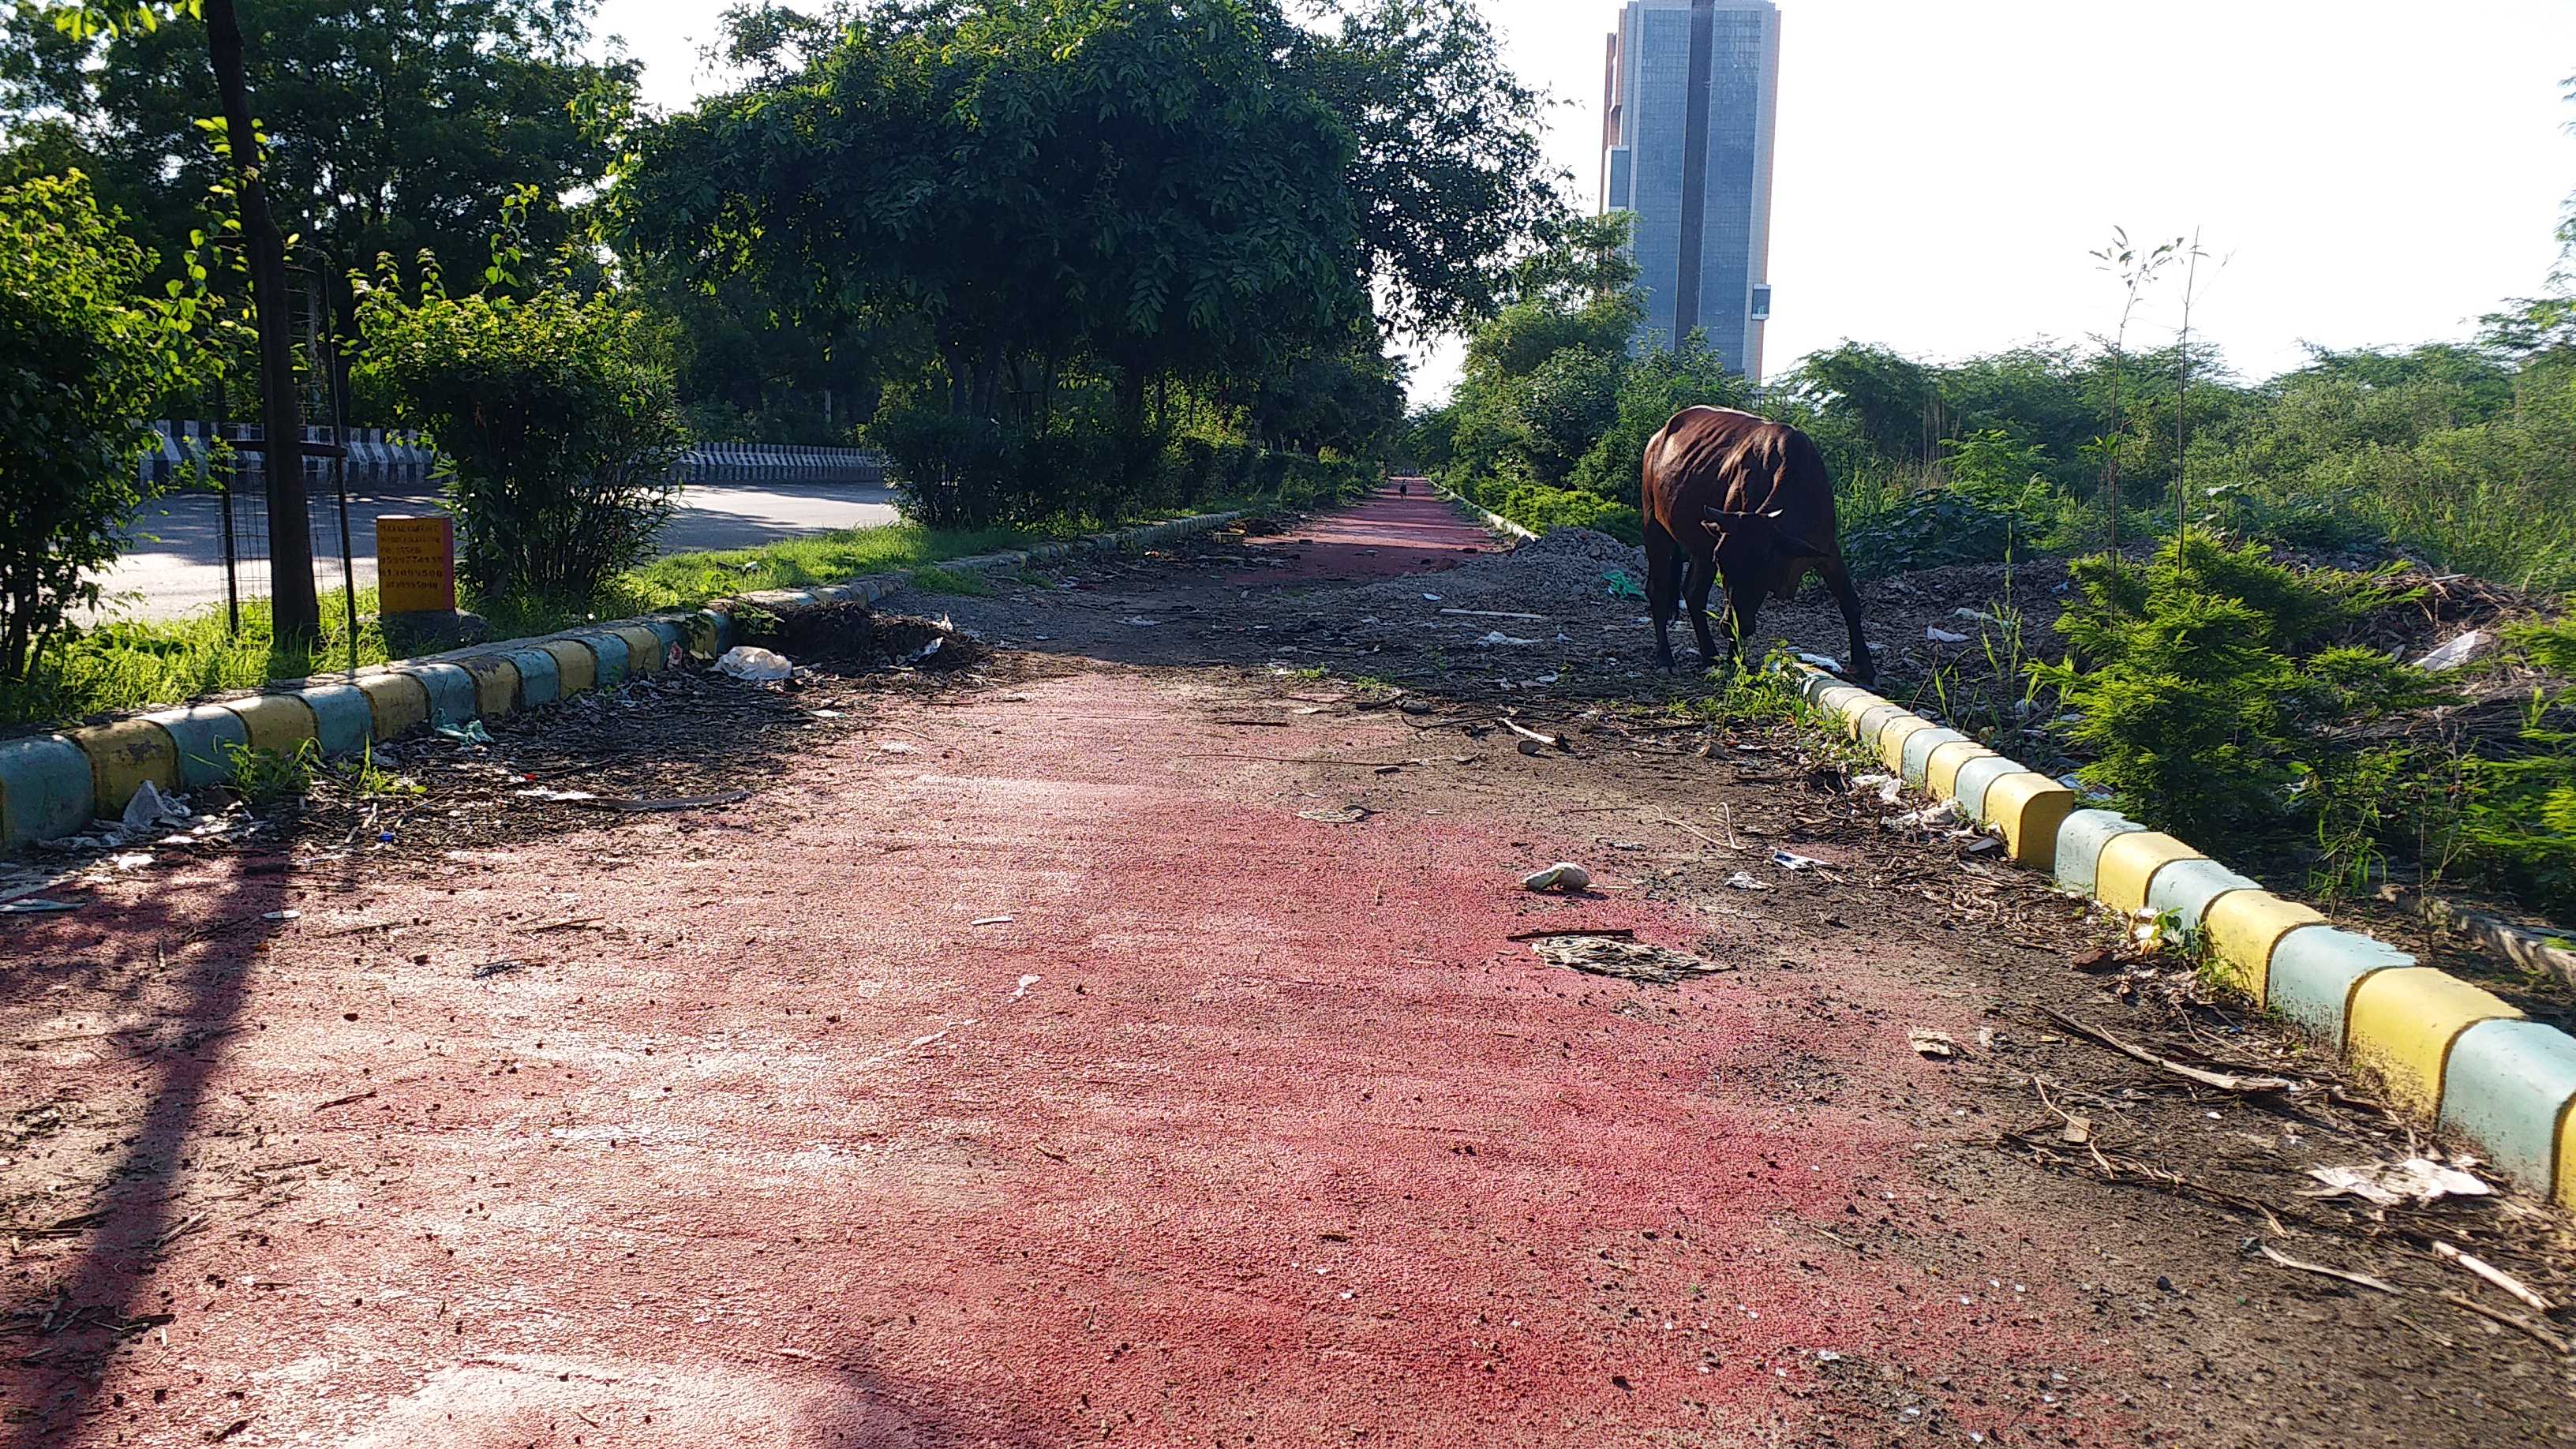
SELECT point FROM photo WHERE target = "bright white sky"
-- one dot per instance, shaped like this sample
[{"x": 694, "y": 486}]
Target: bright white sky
[{"x": 2373, "y": 172}]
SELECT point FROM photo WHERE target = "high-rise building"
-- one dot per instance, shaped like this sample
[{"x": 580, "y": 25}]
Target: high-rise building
[{"x": 1688, "y": 99}]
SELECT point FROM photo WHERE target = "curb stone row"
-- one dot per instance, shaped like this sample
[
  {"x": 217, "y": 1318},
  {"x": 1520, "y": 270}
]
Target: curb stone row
[
  {"x": 53, "y": 785},
  {"x": 2443, "y": 1049}
]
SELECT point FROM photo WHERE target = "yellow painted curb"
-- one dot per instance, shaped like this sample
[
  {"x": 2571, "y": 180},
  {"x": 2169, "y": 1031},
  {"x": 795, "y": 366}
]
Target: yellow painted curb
[
  {"x": 643, "y": 649},
  {"x": 122, "y": 756},
  {"x": 576, "y": 668},
  {"x": 2567, "y": 1162},
  {"x": 2129, "y": 862},
  {"x": 1857, "y": 705},
  {"x": 1892, "y": 736},
  {"x": 395, "y": 702},
  {"x": 1941, "y": 771},
  {"x": 278, "y": 723},
  {"x": 2242, "y": 927},
  {"x": 2029, "y": 806},
  {"x": 496, "y": 684},
  {"x": 2402, "y": 1024}
]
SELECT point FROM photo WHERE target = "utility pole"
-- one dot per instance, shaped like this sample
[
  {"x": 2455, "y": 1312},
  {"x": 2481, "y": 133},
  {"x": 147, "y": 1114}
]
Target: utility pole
[{"x": 295, "y": 610}]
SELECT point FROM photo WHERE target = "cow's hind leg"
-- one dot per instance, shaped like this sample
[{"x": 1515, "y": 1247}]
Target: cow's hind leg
[
  {"x": 1663, "y": 588},
  {"x": 1695, "y": 586},
  {"x": 1838, "y": 579}
]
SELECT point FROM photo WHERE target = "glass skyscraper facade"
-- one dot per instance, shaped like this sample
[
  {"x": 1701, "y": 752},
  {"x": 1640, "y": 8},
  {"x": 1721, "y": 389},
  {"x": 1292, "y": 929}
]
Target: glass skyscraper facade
[{"x": 1688, "y": 98}]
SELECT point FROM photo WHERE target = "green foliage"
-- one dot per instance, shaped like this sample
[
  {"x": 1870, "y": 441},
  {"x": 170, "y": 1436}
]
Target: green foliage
[
  {"x": 89, "y": 352},
  {"x": 264, "y": 776},
  {"x": 1539, "y": 508},
  {"x": 1658, "y": 383},
  {"x": 2207, "y": 688},
  {"x": 133, "y": 664},
  {"x": 557, "y": 419},
  {"x": 390, "y": 127}
]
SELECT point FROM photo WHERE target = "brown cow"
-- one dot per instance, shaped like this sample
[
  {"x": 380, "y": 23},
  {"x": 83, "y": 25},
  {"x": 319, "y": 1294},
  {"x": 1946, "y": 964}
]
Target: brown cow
[{"x": 1729, "y": 493}]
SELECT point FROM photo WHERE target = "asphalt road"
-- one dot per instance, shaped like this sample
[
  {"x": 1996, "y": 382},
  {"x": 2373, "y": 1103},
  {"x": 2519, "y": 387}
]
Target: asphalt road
[{"x": 180, "y": 570}]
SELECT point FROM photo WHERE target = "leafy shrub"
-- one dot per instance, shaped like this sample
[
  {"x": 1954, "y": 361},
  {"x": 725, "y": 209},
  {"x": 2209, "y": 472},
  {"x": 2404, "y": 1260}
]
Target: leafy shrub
[
  {"x": 557, "y": 420},
  {"x": 1570, "y": 400},
  {"x": 1659, "y": 383},
  {"x": 2206, "y": 687},
  {"x": 1997, "y": 503},
  {"x": 89, "y": 353},
  {"x": 1539, "y": 508}
]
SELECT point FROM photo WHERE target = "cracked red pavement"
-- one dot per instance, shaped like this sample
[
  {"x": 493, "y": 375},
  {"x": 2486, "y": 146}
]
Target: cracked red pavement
[{"x": 1047, "y": 1079}]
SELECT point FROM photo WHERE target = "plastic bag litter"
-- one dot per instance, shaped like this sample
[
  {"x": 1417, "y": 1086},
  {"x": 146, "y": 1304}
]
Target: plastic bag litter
[
  {"x": 2457, "y": 652},
  {"x": 1786, "y": 861},
  {"x": 1744, "y": 882},
  {"x": 1564, "y": 875},
  {"x": 1499, "y": 637},
  {"x": 150, "y": 807},
  {"x": 1622, "y": 586},
  {"x": 1929, "y": 1043},
  {"x": 1945, "y": 815},
  {"x": 1944, "y": 636},
  {"x": 1825, "y": 662},
  {"x": 1628, "y": 960},
  {"x": 469, "y": 733},
  {"x": 2417, "y": 1179},
  {"x": 753, "y": 664},
  {"x": 1888, "y": 787}
]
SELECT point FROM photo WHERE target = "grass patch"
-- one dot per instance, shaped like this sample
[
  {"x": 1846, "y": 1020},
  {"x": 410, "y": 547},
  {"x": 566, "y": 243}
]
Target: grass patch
[
  {"x": 936, "y": 580},
  {"x": 685, "y": 580},
  {"x": 132, "y": 664}
]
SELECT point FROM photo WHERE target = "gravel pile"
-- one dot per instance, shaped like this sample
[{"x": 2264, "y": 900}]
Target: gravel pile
[{"x": 1563, "y": 571}]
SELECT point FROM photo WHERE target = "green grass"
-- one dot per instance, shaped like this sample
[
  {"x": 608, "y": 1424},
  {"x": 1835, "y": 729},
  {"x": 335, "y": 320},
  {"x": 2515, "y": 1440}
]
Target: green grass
[
  {"x": 135, "y": 664},
  {"x": 685, "y": 580},
  {"x": 936, "y": 580}
]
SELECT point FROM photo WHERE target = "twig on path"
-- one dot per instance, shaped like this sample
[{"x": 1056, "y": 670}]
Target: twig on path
[
  {"x": 2509, "y": 1320},
  {"x": 2364, "y": 1279},
  {"x": 1298, "y": 759},
  {"x": 2219, "y": 1081},
  {"x": 1553, "y": 742},
  {"x": 1618, "y": 932},
  {"x": 2494, "y": 1275}
]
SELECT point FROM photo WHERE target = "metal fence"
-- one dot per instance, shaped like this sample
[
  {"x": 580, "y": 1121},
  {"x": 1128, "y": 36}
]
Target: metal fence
[{"x": 780, "y": 463}]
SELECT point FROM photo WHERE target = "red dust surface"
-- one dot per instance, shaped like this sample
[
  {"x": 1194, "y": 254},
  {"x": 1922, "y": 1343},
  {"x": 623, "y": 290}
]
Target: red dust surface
[{"x": 1389, "y": 535}]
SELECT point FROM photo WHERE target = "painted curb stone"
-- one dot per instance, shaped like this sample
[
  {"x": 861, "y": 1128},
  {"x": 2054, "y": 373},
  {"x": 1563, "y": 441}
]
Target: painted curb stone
[
  {"x": 539, "y": 682},
  {"x": 342, "y": 722},
  {"x": 1975, "y": 776},
  {"x": 2080, "y": 841},
  {"x": 451, "y": 692},
  {"x": 2509, "y": 1085},
  {"x": 2314, "y": 970},
  {"x": 45, "y": 789},
  {"x": 2186, "y": 887},
  {"x": 1918, "y": 751},
  {"x": 201, "y": 733},
  {"x": 609, "y": 650}
]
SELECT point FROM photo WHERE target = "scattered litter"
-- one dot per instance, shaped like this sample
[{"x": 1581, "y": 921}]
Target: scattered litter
[
  {"x": 498, "y": 968},
  {"x": 1943, "y": 636},
  {"x": 1786, "y": 861},
  {"x": 1975, "y": 616},
  {"x": 1929, "y": 1043},
  {"x": 690, "y": 802},
  {"x": 540, "y": 792},
  {"x": 1543, "y": 679},
  {"x": 1564, "y": 875},
  {"x": 469, "y": 733},
  {"x": 1628, "y": 960},
  {"x": 898, "y": 747},
  {"x": 1622, "y": 586},
  {"x": 1431, "y": 598},
  {"x": 1347, "y": 815},
  {"x": 991, "y": 921},
  {"x": 1139, "y": 621},
  {"x": 2078, "y": 1131},
  {"x": 1499, "y": 637},
  {"x": 1939, "y": 815},
  {"x": 285, "y": 915},
  {"x": 827, "y": 714},
  {"x": 131, "y": 860},
  {"x": 150, "y": 807},
  {"x": 1532, "y": 737},
  {"x": 754, "y": 665},
  {"x": 2458, "y": 651},
  {"x": 1022, "y": 989},
  {"x": 2417, "y": 1179},
  {"x": 927, "y": 650},
  {"x": 1888, "y": 786},
  {"x": 35, "y": 906},
  {"x": 1744, "y": 882},
  {"x": 1825, "y": 662}
]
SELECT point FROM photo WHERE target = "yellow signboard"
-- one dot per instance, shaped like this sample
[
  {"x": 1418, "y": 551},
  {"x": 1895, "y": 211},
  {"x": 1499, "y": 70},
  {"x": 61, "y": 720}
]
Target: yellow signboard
[{"x": 415, "y": 563}]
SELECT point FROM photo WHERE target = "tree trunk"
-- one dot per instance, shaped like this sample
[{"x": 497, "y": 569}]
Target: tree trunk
[{"x": 295, "y": 610}]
